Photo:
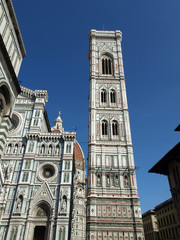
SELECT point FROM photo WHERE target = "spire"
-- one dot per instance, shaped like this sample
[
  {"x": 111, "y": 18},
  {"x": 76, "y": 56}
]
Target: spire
[{"x": 58, "y": 124}]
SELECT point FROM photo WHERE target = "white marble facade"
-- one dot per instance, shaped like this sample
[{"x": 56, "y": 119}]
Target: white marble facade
[
  {"x": 113, "y": 207},
  {"x": 42, "y": 197}
]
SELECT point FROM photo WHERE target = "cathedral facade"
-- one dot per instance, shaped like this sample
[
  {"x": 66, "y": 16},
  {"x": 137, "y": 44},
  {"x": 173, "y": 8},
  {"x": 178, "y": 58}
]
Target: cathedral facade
[
  {"x": 113, "y": 207},
  {"x": 43, "y": 195}
]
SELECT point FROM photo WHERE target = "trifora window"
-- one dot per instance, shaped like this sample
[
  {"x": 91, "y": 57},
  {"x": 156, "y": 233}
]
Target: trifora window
[{"x": 106, "y": 65}]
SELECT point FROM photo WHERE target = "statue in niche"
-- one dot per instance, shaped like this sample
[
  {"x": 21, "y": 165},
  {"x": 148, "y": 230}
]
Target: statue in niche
[
  {"x": 19, "y": 203},
  {"x": 22, "y": 148},
  {"x": 50, "y": 149},
  {"x": 98, "y": 180},
  {"x": 126, "y": 180},
  {"x": 63, "y": 204},
  {"x": 57, "y": 149},
  {"x": 9, "y": 148},
  {"x": 15, "y": 148},
  {"x": 108, "y": 180},
  {"x": 116, "y": 181},
  {"x": 8, "y": 169}
]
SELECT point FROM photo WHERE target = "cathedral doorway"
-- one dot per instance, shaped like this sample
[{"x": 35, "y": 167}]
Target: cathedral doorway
[
  {"x": 39, "y": 233},
  {"x": 40, "y": 222}
]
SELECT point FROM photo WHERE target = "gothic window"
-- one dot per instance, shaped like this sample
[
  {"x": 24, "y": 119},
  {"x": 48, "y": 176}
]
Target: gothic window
[
  {"x": 27, "y": 164},
  {"x": 35, "y": 123},
  {"x": 103, "y": 96},
  {"x": 31, "y": 146},
  {"x": 37, "y": 113},
  {"x": 113, "y": 96},
  {"x": 25, "y": 177},
  {"x": 67, "y": 165},
  {"x": 68, "y": 148},
  {"x": 114, "y": 128},
  {"x": 104, "y": 127},
  {"x": 66, "y": 177},
  {"x": 106, "y": 65}
]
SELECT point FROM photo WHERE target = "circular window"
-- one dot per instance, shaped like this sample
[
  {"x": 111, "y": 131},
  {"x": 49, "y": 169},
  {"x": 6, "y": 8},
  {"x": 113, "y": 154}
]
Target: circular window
[
  {"x": 15, "y": 122},
  {"x": 47, "y": 172}
]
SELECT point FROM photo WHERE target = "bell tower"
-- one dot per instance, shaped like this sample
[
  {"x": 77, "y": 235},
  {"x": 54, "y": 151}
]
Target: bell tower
[{"x": 113, "y": 207}]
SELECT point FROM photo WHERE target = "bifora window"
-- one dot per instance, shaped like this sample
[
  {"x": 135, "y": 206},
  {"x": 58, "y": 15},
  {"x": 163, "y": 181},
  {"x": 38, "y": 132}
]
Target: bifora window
[
  {"x": 113, "y": 96},
  {"x": 103, "y": 96},
  {"x": 114, "y": 128},
  {"x": 104, "y": 127},
  {"x": 106, "y": 65}
]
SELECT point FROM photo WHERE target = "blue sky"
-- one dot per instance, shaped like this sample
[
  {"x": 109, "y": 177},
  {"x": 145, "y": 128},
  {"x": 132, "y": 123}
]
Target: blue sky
[{"x": 55, "y": 35}]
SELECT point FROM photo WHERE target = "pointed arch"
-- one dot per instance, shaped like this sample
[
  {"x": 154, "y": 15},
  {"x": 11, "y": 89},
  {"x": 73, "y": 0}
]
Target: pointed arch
[
  {"x": 106, "y": 64},
  {"x": 104, "y": 128},
  {"x": 103, "y": 96},
  {"x": 112, "y": 96},
  {"x": 114, "y": 126}
]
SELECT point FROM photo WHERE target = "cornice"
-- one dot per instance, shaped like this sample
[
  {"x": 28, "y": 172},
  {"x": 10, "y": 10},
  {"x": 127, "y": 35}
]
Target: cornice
[{"x": 105, "y": 34}]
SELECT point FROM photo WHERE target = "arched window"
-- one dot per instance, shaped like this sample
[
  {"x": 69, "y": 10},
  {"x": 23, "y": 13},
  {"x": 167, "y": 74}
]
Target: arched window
[
  {"x": 68, "y": 148},
  {"x": 106, "y": 65},
  {"x": 114, "y": 128},
  {"x": 103, "y": 96},
  {"x": 113, "y": 96},
  {"x": 104, "y": 127}
]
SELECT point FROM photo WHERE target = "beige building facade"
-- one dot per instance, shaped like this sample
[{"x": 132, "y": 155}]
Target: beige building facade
[
  {"x": 161, "y": 223},
  {"x": 150, "y": 224}
]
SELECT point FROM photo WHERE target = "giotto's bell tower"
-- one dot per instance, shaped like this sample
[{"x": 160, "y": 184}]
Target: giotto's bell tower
[{"x": 113, "y": 207}]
